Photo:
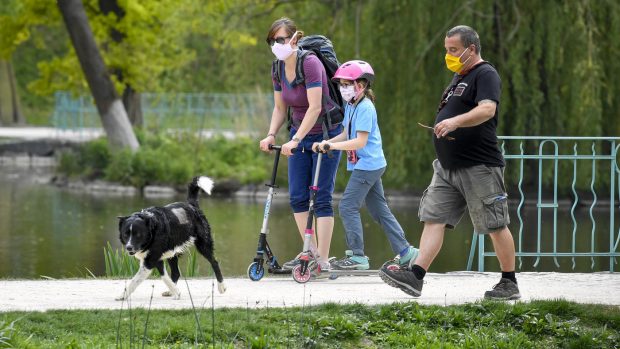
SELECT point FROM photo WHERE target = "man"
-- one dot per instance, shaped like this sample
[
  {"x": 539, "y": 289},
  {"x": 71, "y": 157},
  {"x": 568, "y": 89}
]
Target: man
[{"x": 468, "y": 171}]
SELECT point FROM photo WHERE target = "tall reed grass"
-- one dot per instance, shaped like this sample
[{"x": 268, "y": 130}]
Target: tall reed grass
[{"x": 120, "y": 264}]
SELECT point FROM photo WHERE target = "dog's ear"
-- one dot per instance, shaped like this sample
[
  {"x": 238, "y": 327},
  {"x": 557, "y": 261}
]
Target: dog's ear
[
  {"x": 151, "y": 223},
  {"x": 149, "y": 220},
  {"x": 121, "y": 220}
]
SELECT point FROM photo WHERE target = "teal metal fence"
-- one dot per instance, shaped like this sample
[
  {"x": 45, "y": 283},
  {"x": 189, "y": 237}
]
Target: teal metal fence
[
  {"x": 244, "y": 112},
  {"x": 585, "y": 171}
]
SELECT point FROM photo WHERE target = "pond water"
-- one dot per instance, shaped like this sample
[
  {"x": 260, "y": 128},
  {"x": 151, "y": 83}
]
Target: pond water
[{"x": 56, "y": 232}]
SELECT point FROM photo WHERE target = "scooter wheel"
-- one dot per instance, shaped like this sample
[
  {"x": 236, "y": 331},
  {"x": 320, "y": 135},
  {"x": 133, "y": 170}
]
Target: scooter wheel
[
  {"x": 253, "y": 273},
  {"x": 297, "y": 276}
]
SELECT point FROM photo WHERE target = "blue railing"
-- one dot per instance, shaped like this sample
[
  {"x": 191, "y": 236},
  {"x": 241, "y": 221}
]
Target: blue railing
[
  {"x": 197, "y": 111},
  {"x": 530, "y": 160}
]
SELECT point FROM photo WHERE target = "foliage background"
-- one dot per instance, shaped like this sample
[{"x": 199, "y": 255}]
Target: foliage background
[{"x": 557, "y": 59}]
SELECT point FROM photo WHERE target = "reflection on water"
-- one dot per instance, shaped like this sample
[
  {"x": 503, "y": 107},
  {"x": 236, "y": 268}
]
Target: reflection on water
[{"x": 55, "y": 232}]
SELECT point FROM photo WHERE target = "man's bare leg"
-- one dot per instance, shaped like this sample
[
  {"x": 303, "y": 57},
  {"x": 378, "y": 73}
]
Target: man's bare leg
[{"x": 430, "y": 243}]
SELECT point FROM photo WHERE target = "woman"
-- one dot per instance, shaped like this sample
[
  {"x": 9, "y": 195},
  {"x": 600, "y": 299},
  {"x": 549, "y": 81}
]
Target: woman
[
  {"x": 361, "y": 139},
  {"x": 305, "y": 102}
]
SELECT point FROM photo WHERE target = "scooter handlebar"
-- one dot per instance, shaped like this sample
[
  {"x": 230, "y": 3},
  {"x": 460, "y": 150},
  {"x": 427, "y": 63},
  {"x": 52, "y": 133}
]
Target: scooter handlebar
[
  {"x": 279, "y": 147},
  {"x": 325, "y": 149}
]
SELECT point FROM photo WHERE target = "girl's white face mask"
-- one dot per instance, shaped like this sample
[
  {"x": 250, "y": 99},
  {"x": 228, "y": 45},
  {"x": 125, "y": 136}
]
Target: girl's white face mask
[
  {"x": 283, "y": 51},
  {"x": 347, "y": 92}
]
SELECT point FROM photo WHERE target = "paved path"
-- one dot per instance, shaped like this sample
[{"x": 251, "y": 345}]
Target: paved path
[
  {"x": 441, "y": 289},
  {"x": 32, "y": 133},
  {"x": 87, "y": 134}
]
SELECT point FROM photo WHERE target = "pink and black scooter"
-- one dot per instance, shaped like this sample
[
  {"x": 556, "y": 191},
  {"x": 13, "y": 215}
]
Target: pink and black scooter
[
  {"x": 308, "y": 261},
  {"x": 301, "y": 272}
]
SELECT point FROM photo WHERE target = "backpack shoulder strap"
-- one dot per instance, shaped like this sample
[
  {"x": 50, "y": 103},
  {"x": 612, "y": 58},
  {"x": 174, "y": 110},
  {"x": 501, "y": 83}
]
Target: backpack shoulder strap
[
  {"x": 299, "y": 68},
  {"x": 275, "y": 70}
]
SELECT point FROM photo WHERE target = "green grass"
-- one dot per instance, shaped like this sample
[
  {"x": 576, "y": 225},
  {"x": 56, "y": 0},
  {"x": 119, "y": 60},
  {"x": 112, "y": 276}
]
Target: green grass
[
  {"x": 539, "y": 324},
  {"x": 120, "y": 264}
]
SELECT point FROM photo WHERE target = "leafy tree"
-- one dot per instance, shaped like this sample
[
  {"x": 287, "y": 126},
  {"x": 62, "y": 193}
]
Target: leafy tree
[
  {"x": 557, "y": 59},
  {"x": 10, "y": 110},
  {"x": 143, "y": 43},
  {"x": 113, "y": 115}
]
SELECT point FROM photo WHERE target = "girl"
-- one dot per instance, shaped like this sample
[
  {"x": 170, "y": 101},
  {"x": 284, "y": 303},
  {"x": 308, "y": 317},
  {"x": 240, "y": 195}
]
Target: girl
[
  {"x": 361, "y": 139},
  {"x": 304, "y": 101}
]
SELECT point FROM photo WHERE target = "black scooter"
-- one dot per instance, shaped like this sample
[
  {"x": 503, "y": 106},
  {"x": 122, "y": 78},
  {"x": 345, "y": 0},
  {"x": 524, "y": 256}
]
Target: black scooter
[{"x": 256, "y": 270}]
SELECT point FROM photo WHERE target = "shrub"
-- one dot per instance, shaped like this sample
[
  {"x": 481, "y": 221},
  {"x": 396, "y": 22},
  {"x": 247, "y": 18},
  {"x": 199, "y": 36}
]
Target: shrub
[{"x": 170, "y": 159}]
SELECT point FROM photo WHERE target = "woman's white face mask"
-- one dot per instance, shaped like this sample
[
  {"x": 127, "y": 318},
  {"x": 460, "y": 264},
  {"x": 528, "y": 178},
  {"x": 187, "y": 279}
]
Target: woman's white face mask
[{"x": 283, "y": 51}]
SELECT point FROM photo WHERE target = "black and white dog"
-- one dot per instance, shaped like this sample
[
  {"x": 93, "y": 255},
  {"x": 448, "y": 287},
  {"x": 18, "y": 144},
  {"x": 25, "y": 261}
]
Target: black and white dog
[{"x": 156, "y": 234}]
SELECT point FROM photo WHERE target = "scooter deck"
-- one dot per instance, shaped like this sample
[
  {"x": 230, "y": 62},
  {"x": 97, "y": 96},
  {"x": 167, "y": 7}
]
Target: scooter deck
[
  {"x": 344, "y": 272},
  {"x": 279, "y": 271}
]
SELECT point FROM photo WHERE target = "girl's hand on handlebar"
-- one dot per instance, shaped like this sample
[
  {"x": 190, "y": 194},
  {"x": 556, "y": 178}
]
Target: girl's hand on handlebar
[
  {"x": 315, "y": 147},
  {"x": 264, "y": 144},
  {"x": 323, "y": 146}
]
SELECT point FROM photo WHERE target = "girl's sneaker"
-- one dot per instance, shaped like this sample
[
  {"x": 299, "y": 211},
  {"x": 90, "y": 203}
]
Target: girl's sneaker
[
  {"x": 408, "y": 260},
  {"x": 405, "y": 262},
  {"x": 351, "y": 262}
]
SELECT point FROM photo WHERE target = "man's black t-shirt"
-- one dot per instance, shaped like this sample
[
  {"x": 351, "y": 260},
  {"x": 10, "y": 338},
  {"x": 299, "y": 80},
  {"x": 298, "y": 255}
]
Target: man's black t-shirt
[{"x": 471, "y": 145}]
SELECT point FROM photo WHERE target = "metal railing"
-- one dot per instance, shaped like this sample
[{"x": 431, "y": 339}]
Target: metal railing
[
  {"x": 599, "y": 160},
  {"x": 244, "y": 112}
]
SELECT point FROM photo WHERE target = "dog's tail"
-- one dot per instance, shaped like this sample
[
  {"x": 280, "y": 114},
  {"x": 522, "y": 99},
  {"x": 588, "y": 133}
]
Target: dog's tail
[{"x": 202, "y": 182}]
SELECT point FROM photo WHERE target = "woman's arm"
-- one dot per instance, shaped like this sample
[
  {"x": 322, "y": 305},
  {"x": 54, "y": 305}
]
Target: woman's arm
[{"x": 278, "y": 116}]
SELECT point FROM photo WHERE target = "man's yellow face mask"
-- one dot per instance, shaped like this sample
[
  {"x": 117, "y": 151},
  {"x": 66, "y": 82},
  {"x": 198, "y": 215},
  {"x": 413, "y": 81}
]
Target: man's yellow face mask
[{"x": 454, "y": 63}]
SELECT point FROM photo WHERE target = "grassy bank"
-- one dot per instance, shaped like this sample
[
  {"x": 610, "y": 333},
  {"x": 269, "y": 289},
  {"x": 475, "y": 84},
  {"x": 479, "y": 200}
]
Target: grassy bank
[
  {"x": 168, "y": 159},
  {"x": 541, "y": 324},
  {"x": 174, "y": 158}
]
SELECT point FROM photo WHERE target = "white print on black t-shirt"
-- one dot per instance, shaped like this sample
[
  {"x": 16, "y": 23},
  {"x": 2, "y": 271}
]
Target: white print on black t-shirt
[{"x": 460, "y": 88}]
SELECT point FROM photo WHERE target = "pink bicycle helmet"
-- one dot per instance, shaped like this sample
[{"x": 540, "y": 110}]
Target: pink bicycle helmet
[{"x": 353, "y": 70}]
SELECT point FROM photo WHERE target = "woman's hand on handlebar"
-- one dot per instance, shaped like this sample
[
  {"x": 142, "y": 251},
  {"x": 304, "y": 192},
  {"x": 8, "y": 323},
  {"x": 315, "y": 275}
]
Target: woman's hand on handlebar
[
  {"x": 289, "y": 147},
  {"x": 264, "y": 144}
]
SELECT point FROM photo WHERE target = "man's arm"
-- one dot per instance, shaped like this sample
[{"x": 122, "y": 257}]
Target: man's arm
[{"x": 481, "y": 113}]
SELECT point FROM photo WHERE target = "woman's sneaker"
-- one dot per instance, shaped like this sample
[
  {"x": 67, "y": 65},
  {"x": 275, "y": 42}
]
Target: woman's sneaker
[
  {"x": 323, "y": 272},
  {"x": 351, "y": 262},
  {"x": 292, "y": 263}
]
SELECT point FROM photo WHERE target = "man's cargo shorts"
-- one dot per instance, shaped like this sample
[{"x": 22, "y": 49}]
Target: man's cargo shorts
[{"x": 480, "y": 189}]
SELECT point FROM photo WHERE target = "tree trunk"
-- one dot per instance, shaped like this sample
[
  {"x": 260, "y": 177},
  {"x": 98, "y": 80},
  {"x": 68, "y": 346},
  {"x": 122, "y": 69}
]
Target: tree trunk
[
  {"x": 10, "y": 111},
  {"x": 133, "y": 105},
  {"x": 131, "y": 97},
  {"x": 113, "y": 115}
]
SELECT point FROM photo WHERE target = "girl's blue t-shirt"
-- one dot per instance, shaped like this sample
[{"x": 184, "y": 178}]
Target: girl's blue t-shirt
[{"x": 363, "y": 117}]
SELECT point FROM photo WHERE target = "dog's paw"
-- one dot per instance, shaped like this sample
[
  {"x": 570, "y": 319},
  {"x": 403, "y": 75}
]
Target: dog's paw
[
  {"x": 221, "y": 287},
  {"x": 120, "y": 298},
  {"x": 171, "y": 294}
]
